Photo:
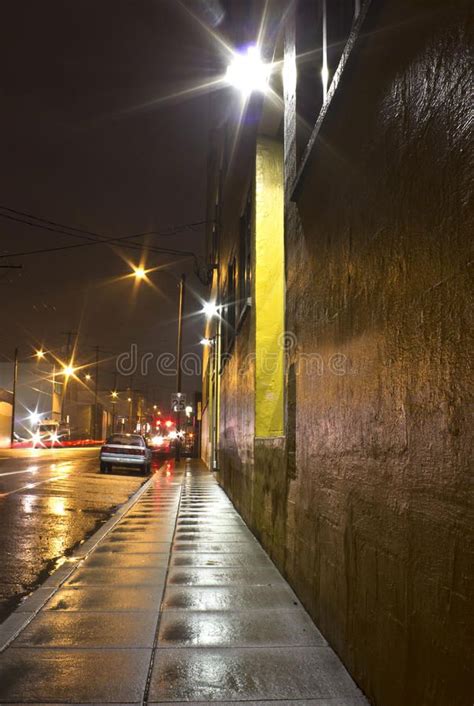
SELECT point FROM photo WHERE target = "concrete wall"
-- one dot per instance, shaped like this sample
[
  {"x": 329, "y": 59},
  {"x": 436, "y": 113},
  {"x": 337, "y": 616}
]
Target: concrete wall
[
  {"x": 379, "y": 542},
  {"x": 365, "y": 504}
]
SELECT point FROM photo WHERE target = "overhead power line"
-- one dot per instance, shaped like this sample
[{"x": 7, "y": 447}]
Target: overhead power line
[{"x": 94, "y": 238}]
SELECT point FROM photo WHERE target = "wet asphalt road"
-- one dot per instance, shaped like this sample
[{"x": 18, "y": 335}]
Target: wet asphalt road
[{"x": 50, "y": 500}]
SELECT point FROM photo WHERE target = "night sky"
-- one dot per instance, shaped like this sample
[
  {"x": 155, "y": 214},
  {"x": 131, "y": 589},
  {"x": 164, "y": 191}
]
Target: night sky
[{"x": 89, "y": 139}]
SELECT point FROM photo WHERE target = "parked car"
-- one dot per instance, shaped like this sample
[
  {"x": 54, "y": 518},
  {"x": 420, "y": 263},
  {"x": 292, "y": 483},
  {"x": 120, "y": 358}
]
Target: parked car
[{"x": 126, "y": 450}]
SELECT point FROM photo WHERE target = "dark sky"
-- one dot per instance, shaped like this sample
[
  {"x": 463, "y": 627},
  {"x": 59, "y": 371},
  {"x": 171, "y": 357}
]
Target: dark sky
[{"x": 89, "y": 139}]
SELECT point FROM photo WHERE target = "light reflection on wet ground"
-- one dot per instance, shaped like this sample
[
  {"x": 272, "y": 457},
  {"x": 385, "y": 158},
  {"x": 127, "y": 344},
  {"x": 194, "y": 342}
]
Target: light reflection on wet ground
[{"x": 50, "y": 500}]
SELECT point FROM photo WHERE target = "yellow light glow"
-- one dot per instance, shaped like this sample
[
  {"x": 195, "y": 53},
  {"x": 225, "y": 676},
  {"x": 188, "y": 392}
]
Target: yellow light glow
[
  {"x": 140, "y": 272},
  {"x": 88, "y": 377},
  {"x": 114, "y": 394},
  {"x": 40, "y": 354},
  {"x": 69, "y": 370}
]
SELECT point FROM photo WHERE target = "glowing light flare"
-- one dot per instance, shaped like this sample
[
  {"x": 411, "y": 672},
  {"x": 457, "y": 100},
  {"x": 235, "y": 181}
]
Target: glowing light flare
[
  {"x": 40, "y": 354},
  {"x": 210, "y": 310},
  {"x": 68, "y": 370},
  {"x": 140, "y": 272},
  {"x": 248, "y": 72}
]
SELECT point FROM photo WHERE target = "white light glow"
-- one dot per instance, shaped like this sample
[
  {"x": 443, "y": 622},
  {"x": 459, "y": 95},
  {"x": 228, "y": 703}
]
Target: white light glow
[
  {"x": 35, "y": 418},
  {"x": 210, "y": 310},
  {"x": 248, "y": 73}
]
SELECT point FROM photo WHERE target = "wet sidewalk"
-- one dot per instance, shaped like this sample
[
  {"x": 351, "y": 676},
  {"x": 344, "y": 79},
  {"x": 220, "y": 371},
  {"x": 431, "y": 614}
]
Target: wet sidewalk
[{"x": 177, "y": 603}]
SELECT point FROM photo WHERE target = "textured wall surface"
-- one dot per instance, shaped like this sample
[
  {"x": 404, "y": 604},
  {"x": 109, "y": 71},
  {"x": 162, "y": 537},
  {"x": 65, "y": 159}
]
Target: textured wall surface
[
  {"x": 372, "y": 519},
  {"x": 237, "y": 422},
  {"x": 379, "y": 524}
]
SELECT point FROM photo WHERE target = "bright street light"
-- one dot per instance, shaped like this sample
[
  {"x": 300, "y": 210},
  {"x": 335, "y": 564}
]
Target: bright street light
[
  {"x": 140, "y": 272},
  {"x": 88, "y": 377},
  {"x": 34, "y": 418},
  {"x": 68, "y": 370},
  {"x": 114, "y": 394},
  {"x": 248, "y": 72},
  {"x": 40, "y": 354},
  {"x": 210, "y": 310}
]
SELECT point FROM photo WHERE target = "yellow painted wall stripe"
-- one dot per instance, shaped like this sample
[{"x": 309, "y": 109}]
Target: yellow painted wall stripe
[{"x": 269, "y": 289}]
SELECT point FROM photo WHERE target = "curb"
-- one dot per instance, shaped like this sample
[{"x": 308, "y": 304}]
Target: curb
[{"x": 32, "y": 605}]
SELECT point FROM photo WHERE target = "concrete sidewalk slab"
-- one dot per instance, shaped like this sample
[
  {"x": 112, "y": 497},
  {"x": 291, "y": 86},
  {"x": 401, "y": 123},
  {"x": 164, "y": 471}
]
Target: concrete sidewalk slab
[{"x": 176, "y": 603}]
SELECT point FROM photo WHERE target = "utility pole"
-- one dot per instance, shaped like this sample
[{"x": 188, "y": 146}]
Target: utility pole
[
  {"x": 15, "y": 380},
  {"x": 182, "y": 285},
  {"x": 114, "y": 392},
  {"x": 130, "y": 408},
  {"x": 96, "y": 393}
]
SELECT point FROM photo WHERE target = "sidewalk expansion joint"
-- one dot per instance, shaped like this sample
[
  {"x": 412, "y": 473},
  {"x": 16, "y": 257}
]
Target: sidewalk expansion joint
[{"x": 158, "y": 622}]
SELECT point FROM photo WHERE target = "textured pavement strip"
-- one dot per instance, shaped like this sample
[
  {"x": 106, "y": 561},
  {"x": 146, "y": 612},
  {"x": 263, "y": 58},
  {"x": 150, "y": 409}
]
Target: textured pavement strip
[{"x": 178, "y": 603}]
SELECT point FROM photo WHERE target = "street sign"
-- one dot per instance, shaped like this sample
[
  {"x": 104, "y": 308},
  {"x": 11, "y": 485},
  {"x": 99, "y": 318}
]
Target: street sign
[{"x": 178, "y": 402}]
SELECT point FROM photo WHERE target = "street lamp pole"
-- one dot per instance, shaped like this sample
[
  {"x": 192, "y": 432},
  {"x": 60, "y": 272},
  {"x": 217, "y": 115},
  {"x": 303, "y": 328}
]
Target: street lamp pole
[
  {"x": 96, "y": 393},
  {"x": 15, "y": 380},
  {"x": 182, "y": 285}
]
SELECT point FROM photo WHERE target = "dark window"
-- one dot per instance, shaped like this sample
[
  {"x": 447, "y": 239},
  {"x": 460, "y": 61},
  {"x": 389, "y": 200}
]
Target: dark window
[
  {"x": 125, "y": 440},
  {"x": 309, "y": 90},
  {"x": 228, "y": 310},
  {"x": 245, "y": 260},
  {"x": 322, "y": 31},
  {"x": 340, "y": 16}
]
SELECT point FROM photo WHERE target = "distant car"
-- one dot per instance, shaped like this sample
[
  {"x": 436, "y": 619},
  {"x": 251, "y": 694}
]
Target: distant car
[
  {"x": 126, "y": 450},
  {"x": 160, "y": 444},
  {"x": 50, "y": 432}
]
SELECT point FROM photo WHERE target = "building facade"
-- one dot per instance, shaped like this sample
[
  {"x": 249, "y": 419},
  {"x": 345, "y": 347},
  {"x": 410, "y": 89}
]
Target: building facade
[{"x": 336, "y": 405}]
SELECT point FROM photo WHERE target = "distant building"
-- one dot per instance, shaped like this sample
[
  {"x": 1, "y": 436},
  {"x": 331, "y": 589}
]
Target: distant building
[{"x": 38, "y": 395}]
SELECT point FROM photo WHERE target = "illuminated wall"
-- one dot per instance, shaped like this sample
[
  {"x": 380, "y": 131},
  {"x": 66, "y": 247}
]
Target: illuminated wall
[{"x": 269, "y": 289}]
